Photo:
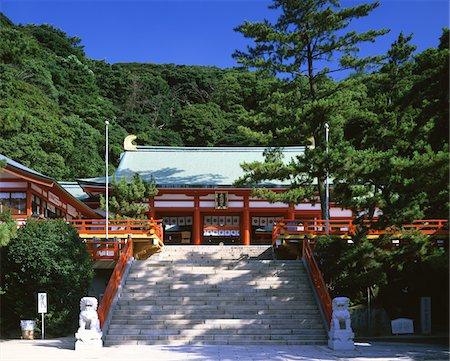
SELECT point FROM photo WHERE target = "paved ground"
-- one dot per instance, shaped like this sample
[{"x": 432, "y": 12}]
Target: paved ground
[{"x": 62, "y": 350}]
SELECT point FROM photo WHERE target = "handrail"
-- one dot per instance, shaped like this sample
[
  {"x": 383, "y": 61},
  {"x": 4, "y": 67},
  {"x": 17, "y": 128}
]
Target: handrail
[
  {"x": 110, "y": 250},
  {"x": 157, "y": 230},
  {"x": 114, "y": 281},
  {"x": 115, "y": 226},
  {"x": 318, "y": 282},
  {"x": 286, "y": 228}
]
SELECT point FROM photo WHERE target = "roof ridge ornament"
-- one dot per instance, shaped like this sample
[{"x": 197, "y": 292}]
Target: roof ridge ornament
[{"x": 127, "y": 142}]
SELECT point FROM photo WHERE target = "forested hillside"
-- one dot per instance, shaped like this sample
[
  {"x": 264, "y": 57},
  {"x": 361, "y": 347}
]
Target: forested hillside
[
  {"x": 54, "y": 101},
  {"x": 392, "y": 123}
]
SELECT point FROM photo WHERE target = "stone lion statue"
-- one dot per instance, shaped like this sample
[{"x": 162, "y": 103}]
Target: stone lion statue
[
  {"x": 340, "y": 319},
  {"x": 88, "y": 314},
  {"x": 341, "y": 334}
]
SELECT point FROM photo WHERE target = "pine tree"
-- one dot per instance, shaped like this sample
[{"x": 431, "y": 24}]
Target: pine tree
[
  {"x": 130, "y": 200},
  {"x": 307, "y": 35}
]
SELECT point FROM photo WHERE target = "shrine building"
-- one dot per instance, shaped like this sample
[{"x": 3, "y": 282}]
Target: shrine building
[
  {"x": 30, "y": 194},
  {"x": 197, "y": 199}
]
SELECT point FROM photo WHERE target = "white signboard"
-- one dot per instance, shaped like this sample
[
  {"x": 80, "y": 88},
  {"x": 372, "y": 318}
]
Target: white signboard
[
  {"x": 42, "y": 303},
  {"x": 402, "y": 326},
  {"x": 425, "y": 315}
]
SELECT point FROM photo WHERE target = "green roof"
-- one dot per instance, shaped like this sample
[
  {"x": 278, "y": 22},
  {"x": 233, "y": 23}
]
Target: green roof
[
  {"x": 75, "y": 190},
  {"x": 192, "y": 166}
]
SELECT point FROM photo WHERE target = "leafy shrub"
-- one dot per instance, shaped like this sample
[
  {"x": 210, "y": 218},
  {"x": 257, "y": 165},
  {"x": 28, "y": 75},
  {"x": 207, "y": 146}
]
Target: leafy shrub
[{"x": 46, "y": 257}]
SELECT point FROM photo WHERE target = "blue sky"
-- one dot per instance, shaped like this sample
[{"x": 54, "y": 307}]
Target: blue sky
[{"x": 201, "y": 32}]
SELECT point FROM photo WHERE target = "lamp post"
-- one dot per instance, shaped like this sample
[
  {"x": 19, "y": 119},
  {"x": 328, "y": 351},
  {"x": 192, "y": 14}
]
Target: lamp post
[
  {"x": 327, "y": 184},
  {"x": 106, "y": 178}
]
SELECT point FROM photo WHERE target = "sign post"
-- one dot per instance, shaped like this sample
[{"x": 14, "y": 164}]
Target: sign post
[{"x": 42, "y": 308}]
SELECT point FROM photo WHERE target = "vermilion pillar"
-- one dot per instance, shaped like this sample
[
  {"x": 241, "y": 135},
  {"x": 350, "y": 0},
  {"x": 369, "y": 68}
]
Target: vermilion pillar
[
  {"x": 196, "y": 224},
  {"x": 29, "y": 207},
  {"x": 151, "y": 213},
  {"x": 245, "y": 225},
  {"x": 291, "y": 212}
]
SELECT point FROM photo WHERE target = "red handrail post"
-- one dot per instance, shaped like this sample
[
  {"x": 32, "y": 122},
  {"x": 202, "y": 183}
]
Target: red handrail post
[
  {"x": 114, "y": 282},
  {"x": 318, "y": 282}
]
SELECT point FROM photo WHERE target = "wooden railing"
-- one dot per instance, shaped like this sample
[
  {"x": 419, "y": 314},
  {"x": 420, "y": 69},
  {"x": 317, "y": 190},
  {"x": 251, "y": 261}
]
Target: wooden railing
[
  {"x": 291, "y": 228},
  {"x": 318, "y": 282},
  {"x": 110, "y": 250},
  {"x": 156, "y": 228},
  {"x": 115, "y": 226},
  {"x": 114, "y": 281}
]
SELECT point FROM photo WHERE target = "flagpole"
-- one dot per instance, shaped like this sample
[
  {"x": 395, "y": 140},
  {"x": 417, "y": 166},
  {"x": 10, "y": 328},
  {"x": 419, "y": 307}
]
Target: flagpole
[
  {"x": 107, "y": 177},
  {"x": 327, "y": 184}
]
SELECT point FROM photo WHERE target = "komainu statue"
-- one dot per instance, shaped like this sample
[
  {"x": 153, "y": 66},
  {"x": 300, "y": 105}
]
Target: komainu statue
[
  {"x": 88, "y": 314},
  {"x": 341, "y": 334},
  {"x": 89, "y": 334}
]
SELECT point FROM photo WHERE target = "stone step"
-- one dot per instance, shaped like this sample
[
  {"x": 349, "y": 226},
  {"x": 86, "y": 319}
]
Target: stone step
[
  {"x": 220, "y": 322},
  {"x": 215, "y": 291},
  {"x": 205, "y": 285},
  {"x": 222, "y": 275},
  {"x": 201, "y": 316},
  {"x": 217, "y": 331},
  {"x": 240, "y": 342},
  {"x": 212, "y": 269},
  {"x": 226, "y": 263},
  {"x": 232, "y": 298},
  {"x": 212, "y": 301},
  {"x": 216, "y": 295},
  {"x": 211, "y": 295},
  {"x": 217, "y": 337},
  {"x": 188, "y": 309}
]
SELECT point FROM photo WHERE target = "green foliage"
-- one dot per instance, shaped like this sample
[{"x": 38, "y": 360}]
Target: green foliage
[
  {"x": 129, "y": 200},
  {"x": 202, "y": 124},
  {"x": 393, "y": 159},
  {"x": 46, "y": 257},
  {"x": 8, "y": 228},
  {"x": 351, "y": 270},
  {"x": 305, "y": 34},
  {"x": 388, "y": 145},
  {"x": 383, "y": 268}
]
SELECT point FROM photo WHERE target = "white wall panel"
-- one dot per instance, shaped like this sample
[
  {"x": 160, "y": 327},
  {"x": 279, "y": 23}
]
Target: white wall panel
[
  {"x": 174, "y": 204},
  {"x": 263, "y": 204},
  {"x": 173, "y": 196},
  {"x": 339, "y": 212},
  {"x": 13, "y": 185},
  {"x": 307, "y": 207}
]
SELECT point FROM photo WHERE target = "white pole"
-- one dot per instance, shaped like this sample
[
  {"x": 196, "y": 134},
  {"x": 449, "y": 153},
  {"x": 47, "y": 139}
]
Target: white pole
[
  {"x": 43, "y": 327},
  {"x": 327, "y": 184},
  {"x": 107, "y": 178}
]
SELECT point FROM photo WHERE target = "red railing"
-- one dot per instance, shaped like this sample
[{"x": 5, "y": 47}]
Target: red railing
[
  {"x": 317, "y": 279},
  {"x": 114, "y": 281},
  {"x": 156, "y": 228},
  {"x": 115, "y": 226},
  {"x": 110, "y": 250},
  {"x": 348, "y": 227}
]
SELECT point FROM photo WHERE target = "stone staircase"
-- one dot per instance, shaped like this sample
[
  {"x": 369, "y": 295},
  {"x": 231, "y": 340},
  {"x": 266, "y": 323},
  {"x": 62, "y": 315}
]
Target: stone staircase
[{"x": 216, "y": 295}]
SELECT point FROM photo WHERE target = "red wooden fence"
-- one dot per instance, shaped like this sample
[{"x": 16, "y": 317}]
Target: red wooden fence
[
  {"x": 114, "y": 281},
  {"x": 318, "y": 282}
]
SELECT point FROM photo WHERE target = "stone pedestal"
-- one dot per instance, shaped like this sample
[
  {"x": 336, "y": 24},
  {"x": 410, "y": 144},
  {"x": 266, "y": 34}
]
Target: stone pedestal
[
  {"x": 88, "y": 340},
  {"x": 341, "y": 340}
]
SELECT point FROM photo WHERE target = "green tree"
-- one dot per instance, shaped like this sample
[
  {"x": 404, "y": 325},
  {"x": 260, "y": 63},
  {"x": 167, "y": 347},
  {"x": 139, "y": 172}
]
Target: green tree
[
  {"x": 202, "y": 124},
  {"x": 46, "y": 257},
  {"x": 130, "y": 200},
  {"x": 385, "y": 160},
  {"x": 306, "y": 35},
  {"x": 352, "y": 270},
  {"x": 8, "y": 228}
]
